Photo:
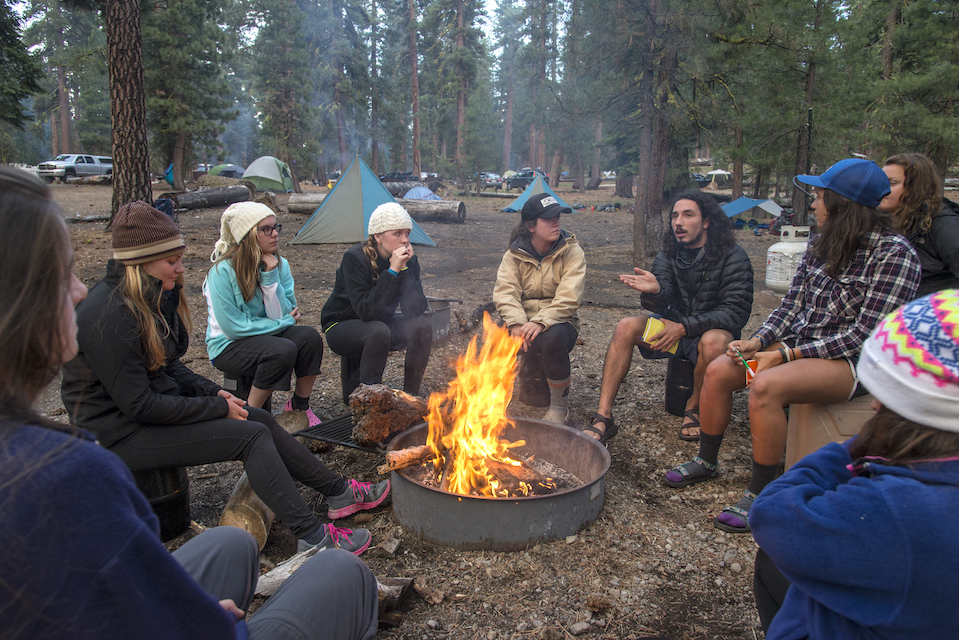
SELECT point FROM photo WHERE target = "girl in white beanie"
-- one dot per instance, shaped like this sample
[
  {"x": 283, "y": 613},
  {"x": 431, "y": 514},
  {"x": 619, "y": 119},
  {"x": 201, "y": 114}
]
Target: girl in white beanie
[
  {"x": 359, "y": 317},
  {"x": 864, "y": 532},
  {"x": 252, "y": 329}
]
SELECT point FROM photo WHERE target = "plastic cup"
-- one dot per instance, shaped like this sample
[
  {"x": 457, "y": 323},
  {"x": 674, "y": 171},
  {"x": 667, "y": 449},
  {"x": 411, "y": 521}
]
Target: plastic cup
[{"x": 751, "y": 366}]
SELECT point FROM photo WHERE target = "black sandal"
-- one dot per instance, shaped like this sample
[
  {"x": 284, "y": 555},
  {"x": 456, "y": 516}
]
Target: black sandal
[
  {"x": 692, "y": 414},
  {"x": 610, "y": 431}
]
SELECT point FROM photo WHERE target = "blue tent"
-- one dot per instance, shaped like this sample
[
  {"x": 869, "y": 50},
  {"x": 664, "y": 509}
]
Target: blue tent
[
  {"x": 344, "y": 215},
  {"x": 538, "y": 185},
  {"x": 421, "y": 193},
  {"x": 741, "y": 205}
]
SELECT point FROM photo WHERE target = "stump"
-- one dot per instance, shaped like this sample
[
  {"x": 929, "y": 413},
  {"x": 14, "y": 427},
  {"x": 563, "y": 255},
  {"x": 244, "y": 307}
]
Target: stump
[{"x": 379, "y": 412}]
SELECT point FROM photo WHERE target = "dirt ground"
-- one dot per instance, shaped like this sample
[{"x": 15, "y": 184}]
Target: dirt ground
[{"x": 652, "y": 564}]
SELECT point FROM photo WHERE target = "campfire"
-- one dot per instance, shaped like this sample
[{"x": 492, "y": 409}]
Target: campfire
[
  {"x": 470, "y": 456},
  {"x": 472, "y": 477}
]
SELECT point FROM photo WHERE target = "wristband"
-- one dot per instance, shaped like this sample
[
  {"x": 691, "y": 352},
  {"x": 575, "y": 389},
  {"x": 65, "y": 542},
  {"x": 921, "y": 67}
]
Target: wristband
[
  {"x": 404, "y": 268},
  {"x": 782, "y": 352},
  {"x": 395, "y": 273},
  {"x": 762, "y": 343}
]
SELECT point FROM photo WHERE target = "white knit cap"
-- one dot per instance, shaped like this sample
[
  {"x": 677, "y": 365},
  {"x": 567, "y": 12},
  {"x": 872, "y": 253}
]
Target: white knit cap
[
  {"x": 235, "y": 224},
  {"x": 910, "y": 362},
  {"x": 389, "y": 216}
]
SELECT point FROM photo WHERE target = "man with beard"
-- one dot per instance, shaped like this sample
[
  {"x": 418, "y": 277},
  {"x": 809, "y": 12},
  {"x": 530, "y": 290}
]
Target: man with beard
[{"x": 700, "y": 289}]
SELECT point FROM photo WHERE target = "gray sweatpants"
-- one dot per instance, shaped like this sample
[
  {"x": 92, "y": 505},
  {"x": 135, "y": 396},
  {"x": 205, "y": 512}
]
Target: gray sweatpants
[{"x": 331, "y": 596}]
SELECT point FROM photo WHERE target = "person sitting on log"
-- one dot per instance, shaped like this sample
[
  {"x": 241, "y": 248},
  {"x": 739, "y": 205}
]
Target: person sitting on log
[
  {"x": 538, "y": 289},
  {"x": 855, "y": 271},
  {"x": 927, "y": 219},
  {"x": 252, "y": 327},
  {"x": 857, "y": 540},
  {"x": 359, "y": 318},
  {"x": 128, "y": 386},
  {"x": 80, "y": 552}
]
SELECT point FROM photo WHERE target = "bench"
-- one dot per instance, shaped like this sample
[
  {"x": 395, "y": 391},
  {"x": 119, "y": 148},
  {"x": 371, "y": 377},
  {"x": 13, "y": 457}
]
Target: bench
[{"x": 812, "y": 426}]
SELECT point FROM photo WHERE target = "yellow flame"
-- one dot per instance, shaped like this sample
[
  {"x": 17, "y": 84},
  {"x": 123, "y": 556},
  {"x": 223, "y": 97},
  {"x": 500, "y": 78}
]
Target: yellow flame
[{"x": 465, "y": 423}]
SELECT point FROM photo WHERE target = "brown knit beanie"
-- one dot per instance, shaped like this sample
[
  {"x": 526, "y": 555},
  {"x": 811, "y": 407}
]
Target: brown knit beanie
[{"x": 143, "y": 234}]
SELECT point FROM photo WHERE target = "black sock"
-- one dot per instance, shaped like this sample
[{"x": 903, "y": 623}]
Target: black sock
[
  {"x": 709, "y": 447},
  {"x": 763, "y": 474},
  {"x": 300, "y": 404}
]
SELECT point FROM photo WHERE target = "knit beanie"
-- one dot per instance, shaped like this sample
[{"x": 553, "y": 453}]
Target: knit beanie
[
  {"x": 235, "y": 224},
  {"x": 143, "y": 234},
  {"x": 389, "y": 216},
  {"x": 910, "y": 362}
]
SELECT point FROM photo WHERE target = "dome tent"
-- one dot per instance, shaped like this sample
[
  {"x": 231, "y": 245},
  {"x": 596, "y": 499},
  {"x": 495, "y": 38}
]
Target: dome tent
[
  {"x": 344, "y": 214},
  {"x": 269, "y": 174}
]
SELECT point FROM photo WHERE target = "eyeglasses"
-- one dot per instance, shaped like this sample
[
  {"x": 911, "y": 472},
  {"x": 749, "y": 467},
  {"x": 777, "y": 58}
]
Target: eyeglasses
[{"x": 268, "y": 231}]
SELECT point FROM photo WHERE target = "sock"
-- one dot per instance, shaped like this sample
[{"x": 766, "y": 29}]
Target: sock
[
  {"x": 709, "y": 447},
  {"x": 763, "y": 474},
  {"x": 559, "y": 395},
  {"x": 316, "y": 536},
  {"x": 300, "y": 404}
]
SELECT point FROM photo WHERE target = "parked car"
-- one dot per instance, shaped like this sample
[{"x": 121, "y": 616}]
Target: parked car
[
  {"x": 491, "y": 180},
  {"x": 72, "y": 165},
  {"x": 521, "y": 179},
  {"x": 700, "y": 180}
]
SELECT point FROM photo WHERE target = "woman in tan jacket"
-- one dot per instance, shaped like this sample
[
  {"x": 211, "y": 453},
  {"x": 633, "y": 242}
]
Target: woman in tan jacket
[{"x": 538, "y": 289}]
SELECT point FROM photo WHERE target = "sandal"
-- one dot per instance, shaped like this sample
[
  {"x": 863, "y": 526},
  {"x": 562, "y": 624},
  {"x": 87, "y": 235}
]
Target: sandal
[
  {"x": 693, "y": 415},
  {"x": 735, "y": 519},
  {"x": 610, "y": 428},
  {"x": 682, "y": 476}
]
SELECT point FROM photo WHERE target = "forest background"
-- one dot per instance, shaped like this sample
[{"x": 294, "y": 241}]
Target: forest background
[{"x": 765, "y": 88}]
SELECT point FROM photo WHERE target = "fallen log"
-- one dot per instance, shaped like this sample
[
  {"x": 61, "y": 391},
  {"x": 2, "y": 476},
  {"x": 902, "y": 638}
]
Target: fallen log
[
  {"x": 403, "y": 458},
  {"x": 510, "y": 477},
  {"x": 270, "y": 581},
  {"x": 379, "y": 412},
  {"x": 245, "y": 510},
  {"x": 447, "y": 208},
  {"x": 399, "y": 189},
  {"x": 93, "y": 218},
  {"x": 488, "y": 194},
  {"x": 215, "y": 197},
  {"x": 304, "y": 202}
]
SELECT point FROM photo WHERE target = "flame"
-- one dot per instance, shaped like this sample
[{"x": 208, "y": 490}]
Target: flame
[{"x": 465, "y": 423}]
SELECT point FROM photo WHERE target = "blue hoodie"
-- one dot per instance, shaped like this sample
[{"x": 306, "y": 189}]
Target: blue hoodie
[{"x": 873, "y": 556}]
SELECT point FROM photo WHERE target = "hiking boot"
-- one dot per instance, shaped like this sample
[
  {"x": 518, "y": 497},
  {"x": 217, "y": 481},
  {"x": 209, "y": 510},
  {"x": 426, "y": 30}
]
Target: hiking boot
[
  {"x": 356, "y": 541},
  {"x": 311, "y": 417},
  {"x": 357, "y": 496}
]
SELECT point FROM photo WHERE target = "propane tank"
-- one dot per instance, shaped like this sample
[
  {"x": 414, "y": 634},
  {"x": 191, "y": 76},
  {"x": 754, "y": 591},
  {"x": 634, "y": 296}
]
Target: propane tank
[{"x": 783, "y": 258}]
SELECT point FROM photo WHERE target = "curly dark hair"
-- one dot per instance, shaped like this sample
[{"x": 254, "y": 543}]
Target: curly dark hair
[{"x": 719, "y": 233}]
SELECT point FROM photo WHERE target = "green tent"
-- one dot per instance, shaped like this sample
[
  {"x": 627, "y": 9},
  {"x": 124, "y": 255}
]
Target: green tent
[
  {"x": 344, "y": 215},
  {"x": 269, "y": 174}
]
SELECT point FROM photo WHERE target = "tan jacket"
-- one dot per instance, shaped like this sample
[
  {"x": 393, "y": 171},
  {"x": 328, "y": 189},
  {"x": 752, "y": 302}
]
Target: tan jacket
[{"x": 547, "y": 292}]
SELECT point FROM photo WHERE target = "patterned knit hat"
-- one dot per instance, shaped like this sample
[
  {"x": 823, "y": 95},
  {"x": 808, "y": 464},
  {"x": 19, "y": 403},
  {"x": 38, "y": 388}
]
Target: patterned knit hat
[
  {"x": 910, "y": 363},
  {"x": 389, "y": 216},
  {"x": 143, "y": 234},
  {"x": 235, "y": 224}
]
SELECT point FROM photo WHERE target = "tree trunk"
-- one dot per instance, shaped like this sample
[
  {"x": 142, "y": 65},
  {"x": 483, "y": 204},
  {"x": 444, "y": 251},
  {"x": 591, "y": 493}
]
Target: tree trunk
[
  {"x": 415, "y": 82},
  {"x": 892, "y": 19},
  {"x": 555, "y": 166},
  {"x": 508, "y": 123},
  {"x": 799, "y": 203},
  {"x": 645, "y": 170},
  {"x": 461, "y": 91},
  {"x": 179, "y": 152},
  {"x": 624, "y": 185},
  {"x": 374, "y": 99},
  {"x": 131, "y": 154},
  {"x": 54, "y": 135},
  {"x": 738, "y": 163},
  {"x": 758, "y": 187},
  {"x": 597, "y": 151},
  {"x": 64, "y": 101}
]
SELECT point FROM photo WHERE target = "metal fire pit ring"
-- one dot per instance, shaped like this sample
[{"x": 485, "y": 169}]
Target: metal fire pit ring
[{"x": 506, "y": 524}]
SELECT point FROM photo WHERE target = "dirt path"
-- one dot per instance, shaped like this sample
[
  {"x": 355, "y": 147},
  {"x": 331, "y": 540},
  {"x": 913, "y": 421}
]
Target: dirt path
[{"x": 652, "y": 564}]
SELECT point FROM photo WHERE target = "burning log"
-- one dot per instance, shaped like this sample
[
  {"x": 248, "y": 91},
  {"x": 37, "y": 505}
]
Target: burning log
[
  {"x": 244, "y": 510},
  {"x": 405, "y": 458},
  {"x": 379, "y": 412},
  {"x": 510, "y": 477}
]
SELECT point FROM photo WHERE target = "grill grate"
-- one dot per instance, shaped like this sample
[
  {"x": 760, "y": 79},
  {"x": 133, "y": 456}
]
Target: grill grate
[{"x": 338, "y": 430}]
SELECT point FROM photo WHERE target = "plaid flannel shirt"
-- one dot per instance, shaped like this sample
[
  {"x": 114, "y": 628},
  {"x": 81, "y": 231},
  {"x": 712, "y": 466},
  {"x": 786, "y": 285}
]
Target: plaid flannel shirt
[{"x": 830, "y": 318}]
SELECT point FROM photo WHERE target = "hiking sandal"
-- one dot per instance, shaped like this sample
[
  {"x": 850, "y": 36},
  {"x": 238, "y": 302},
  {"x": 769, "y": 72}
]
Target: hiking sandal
[
  {"x": 693, "y": 415},
  {"x": 604, "y": 436},
  {"x": 682, "y": 476},
  {"x": 735, "y": 518}
]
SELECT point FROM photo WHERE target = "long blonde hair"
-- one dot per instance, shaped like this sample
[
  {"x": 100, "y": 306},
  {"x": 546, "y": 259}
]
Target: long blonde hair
[
  {"x": 245, "y": 257},
  {"x": 372, "y": 253},
  {"x": 143, "y": 296}
]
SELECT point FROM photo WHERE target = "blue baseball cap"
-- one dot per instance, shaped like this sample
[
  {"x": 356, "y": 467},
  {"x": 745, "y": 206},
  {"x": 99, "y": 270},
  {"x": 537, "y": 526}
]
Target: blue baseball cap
[{"x": 861, "y": 181}]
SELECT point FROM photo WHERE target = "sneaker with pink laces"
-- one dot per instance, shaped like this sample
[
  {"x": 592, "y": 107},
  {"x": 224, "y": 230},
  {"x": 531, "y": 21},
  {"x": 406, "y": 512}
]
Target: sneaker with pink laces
[
  {"x": 357, "y": 497},
  {"x": 356, "y": 541},
  {"x": 310, "y": 416}
]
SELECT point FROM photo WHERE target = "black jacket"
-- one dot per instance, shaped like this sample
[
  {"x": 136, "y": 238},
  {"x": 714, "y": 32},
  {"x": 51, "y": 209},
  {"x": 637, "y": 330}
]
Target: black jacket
[
  {"x": 107, "y": 388},
  {"x": 705, "y": 295},
  {"x": 938, "y": 251},
  {"x": 356, "y": 295}
]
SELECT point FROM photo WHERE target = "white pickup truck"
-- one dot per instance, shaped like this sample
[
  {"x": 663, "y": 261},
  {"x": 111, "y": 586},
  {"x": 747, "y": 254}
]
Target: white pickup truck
[{"x": 74, "y": 165}]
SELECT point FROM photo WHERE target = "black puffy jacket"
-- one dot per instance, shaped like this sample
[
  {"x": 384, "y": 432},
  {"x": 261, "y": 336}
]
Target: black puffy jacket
[
  {"x": 706, "y": 294},
  {"x": 938, "y": 250}
]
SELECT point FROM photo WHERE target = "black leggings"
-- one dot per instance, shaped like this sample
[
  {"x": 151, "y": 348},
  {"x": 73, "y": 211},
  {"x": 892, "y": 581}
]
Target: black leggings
[
  {"x": 271, "y": 457},
  {"x": 552, "y": 348},
  {"x": 769, "y": 587},
  {"x": 270, "y": 360},
  {"x": 370, "y": 344}
]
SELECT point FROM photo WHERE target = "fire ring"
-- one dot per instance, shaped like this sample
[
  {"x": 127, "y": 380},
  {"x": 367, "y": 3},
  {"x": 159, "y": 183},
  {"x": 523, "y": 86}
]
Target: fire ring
[{"x": 506, "y": 524}]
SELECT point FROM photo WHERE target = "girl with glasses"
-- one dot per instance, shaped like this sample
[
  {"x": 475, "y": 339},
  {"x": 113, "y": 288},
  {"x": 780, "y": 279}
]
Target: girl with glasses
[{"x": 253, "y": 328}]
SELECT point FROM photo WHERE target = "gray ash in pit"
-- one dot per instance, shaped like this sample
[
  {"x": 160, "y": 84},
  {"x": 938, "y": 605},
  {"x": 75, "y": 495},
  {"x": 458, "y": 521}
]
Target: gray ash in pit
[{"x": 562, "y": 480}]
